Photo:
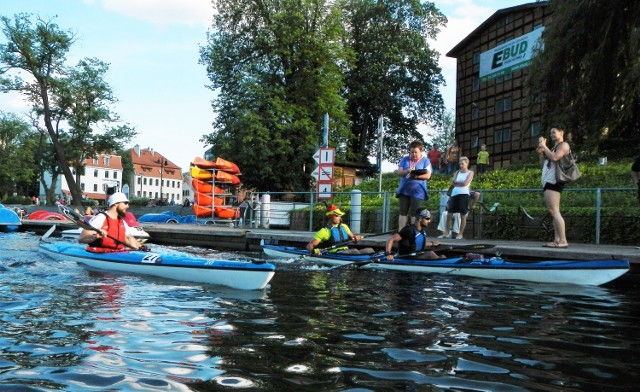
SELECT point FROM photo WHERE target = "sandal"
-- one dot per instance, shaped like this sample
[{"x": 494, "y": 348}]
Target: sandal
[{"x": 555, "y": 245}]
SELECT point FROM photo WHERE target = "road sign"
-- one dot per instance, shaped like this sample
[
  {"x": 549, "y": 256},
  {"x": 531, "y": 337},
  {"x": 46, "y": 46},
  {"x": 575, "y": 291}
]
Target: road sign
[
  {"x": 325, "y": 156},
  {"x": 325, "y": 173},
  {"x": 324, "y": 191}
]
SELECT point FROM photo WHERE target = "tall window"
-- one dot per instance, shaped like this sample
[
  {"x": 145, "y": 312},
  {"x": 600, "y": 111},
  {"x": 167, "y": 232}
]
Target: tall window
[
  {"x": 535, "y": 129},
  {"x": 95, "y": 173},
  {"x": 503, "y": 105},
  {"x": 502, "y": 135},
  {"x": 106, "y": 174}
]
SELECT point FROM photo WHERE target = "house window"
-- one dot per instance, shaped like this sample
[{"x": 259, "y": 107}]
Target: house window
[
  {"x": 503, "y": 105},
  {"x": 115, "y": 175},
  {"x": 95, "y": 187},
  {"x": 502, "y": 135},
  {"x": 157, "y": 183},
  {"x": 82, "y": 186},
  {"x": 535, "y": 129},
  {"x": 139, "y": 180},
  {"x": 144, "y": 181},
  {"x": 95, "y": 173},
  {"x": 475, "y": 111},
  {"x": 107, "y": 160},
  {"x": 106, "y": 174},
  {"x": 474, "y": 141}
]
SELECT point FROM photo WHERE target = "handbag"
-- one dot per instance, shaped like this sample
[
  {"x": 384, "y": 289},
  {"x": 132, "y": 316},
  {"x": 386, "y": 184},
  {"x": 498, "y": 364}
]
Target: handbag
[
  {"x": 566, "y": 169},
  {"x": 452, "y": 186}
]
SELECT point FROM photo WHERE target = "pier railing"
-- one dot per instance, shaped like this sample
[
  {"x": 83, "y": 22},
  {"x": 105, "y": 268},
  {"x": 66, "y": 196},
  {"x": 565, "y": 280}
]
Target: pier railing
[{"x": 592, "y": 215}]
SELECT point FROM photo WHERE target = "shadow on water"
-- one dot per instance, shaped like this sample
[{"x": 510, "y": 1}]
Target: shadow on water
[{"x": 315, "y": 329}]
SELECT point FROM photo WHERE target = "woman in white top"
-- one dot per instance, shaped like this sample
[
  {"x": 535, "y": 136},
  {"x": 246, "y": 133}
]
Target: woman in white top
[
  {"x": 459, "y": 202},
  {"x": 551, "y": 187}
]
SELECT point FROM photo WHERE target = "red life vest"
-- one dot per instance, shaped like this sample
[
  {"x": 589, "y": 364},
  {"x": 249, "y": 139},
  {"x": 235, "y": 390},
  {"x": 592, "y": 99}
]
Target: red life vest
[{"x": 115, "y": 228}]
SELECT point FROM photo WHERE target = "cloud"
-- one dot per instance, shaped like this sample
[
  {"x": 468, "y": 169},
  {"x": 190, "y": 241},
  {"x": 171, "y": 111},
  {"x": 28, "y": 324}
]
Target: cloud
[{"x": 163, "y": 12}]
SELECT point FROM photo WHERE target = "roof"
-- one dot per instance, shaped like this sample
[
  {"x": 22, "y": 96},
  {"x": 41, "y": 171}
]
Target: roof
[
  {"x": 149, "y": 163},
  {"x": 115, "y": 161},
  {"x": 460, "y": 47}
]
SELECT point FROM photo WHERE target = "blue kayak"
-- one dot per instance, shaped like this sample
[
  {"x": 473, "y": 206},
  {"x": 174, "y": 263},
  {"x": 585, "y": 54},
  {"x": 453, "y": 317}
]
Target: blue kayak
[
  {"x": 178, "y": 266},
  {"x": 585, "y": 272},
  {"x": 9, "y": 220}
]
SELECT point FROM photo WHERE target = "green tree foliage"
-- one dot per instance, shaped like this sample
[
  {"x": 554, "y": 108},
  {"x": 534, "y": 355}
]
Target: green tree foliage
[
  {"x": 278, "y": 66},
  {"x": 444, "y": 132},
  {"x": 589, "y": 72},
  {"x": 16, "y": 153},
  {"x": 275, "y": 66},
  {"x": 71, "y": 103},
  {"x": 395, "y": 73}
]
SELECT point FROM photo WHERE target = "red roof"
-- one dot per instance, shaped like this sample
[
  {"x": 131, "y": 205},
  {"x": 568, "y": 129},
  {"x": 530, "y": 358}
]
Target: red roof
[{"x": 148, "y": 164}]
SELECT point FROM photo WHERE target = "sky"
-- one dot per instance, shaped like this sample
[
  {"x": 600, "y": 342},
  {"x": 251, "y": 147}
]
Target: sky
[{"x": 152, "y": 48}]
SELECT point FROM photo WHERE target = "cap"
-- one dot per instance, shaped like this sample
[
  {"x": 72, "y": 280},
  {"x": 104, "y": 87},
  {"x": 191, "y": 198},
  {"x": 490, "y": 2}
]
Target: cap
[
  {"x": 117, "y": 197},
  {"x": 333, "y": 210},
  {"x": 423, "y": 214}
]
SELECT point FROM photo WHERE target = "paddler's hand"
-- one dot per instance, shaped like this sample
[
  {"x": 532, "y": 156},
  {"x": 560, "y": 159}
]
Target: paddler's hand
[
  {"x": 144, "y": 248},
  {"x": 389, "y": 256},
  {"x": 357, "y": 238},
  {"x": 314, "y": 251}
]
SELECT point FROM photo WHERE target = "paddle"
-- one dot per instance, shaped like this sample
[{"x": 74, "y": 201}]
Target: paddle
[
  {"x": 48, "y": 233},
  {"x": 79, "y": 220},
  {"x": 376, "y": 258}
]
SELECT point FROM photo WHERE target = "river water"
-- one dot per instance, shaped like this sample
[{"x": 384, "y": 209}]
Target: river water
[{"x": 63, "y": 328}]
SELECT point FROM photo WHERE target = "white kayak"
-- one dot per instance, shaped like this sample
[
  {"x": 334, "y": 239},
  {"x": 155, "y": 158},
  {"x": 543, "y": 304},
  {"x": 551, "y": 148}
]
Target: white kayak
[
  {"x": 177, "y": 266},
  {"x": 585, "y": 272}
]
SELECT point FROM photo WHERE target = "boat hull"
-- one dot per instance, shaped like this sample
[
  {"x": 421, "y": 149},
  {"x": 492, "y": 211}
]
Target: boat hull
[
  {"x": 9, "y": 220},
  {"x": 177, "y": 266},
  {"x": 585, "y": 272}
]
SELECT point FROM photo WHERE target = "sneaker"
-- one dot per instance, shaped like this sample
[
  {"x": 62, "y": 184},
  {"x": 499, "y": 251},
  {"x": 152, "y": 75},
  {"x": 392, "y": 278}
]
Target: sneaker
[
  {"x": 459, "y": 237},
  {"x": 443, "y": 236}
]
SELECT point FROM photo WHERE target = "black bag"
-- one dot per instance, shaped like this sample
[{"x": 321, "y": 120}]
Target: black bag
[{"x": 566, "y": 169}]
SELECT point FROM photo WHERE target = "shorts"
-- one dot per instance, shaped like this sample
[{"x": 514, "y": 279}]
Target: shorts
[
  {"x": 409, "y": 205},
  {"x": 557, "y": 187},
  {"x": 459, "y": 203}
]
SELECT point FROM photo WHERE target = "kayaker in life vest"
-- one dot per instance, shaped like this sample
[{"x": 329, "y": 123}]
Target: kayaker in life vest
[
  {"x": 413, "y": 239},
  {"x": 114, "y": 231},
  {"x": 335, "y": 232}
]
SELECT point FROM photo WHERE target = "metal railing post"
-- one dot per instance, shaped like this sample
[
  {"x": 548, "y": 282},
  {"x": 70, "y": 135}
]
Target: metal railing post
[{"x": 598, "y": 214}]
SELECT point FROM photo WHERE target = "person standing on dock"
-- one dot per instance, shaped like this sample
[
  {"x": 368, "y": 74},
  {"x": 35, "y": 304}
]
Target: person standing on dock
[
  {"x": 335, "y": 236},
  {"x": 414, "y": 171}
]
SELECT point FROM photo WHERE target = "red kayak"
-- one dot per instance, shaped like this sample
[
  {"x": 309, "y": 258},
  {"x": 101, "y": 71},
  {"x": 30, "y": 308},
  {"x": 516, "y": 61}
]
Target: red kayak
[
  {"x": 206, "y": 187},
  {"x": 205, "y": 199},
  {"x": 220, "y": 212}
]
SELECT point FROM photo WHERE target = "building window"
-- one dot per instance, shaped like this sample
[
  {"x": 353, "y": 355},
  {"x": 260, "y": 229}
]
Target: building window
[
  {"x": 95, "y": 173},
  {"x": 139, "y": 180},
  {"x": 475, "y": 140},
  {"x": 115, "y": 175},
  {"x": 82, "y": 186},
  {"x": 157, "y": 183},
  {"x": 476, "y": 84},
  {"x": 106, "y": 174},
  {"x": 107, "y": 160},
  {"x": 95, "y": 187},
  {"x": 476, "y": 58},
  {"x": 144, "y": 181},
  {"x": 475, "y": 111},
  {"x": 503, "y": 105},
  {"x": 502, "y": 135},
  {"x": 535, "y": 129}
]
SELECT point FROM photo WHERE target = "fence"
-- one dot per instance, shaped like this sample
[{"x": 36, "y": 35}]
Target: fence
[{"x": 592, "y": 215}]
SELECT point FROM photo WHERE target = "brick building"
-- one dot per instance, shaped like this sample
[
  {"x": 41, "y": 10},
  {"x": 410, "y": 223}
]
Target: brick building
[{"x": 493, "y": 105}]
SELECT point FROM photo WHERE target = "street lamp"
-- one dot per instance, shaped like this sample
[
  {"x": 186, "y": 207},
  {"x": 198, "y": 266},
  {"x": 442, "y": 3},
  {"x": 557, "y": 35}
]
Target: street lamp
[{"x": 163, "y": 163}]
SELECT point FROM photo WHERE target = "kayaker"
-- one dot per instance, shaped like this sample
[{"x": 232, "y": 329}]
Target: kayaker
[
  {"x": 112, "y": 225},
  {"x": 412, "y": 239},
  {"x": 335, "y": 232}
]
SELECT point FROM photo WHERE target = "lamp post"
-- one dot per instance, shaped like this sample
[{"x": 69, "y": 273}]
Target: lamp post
[{"x": 163, "y": 163}]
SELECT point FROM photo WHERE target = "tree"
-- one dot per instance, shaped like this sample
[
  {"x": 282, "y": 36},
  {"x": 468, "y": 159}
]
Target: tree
[
  {"x": 395, "y": 73},
  {"x": 60, "y": 96},
  {"x": 444, "y": 133},
  {"x": 589, "y": 72},
  {"x": 16, "y": 153},
  {"x": 275, "y": 66}
]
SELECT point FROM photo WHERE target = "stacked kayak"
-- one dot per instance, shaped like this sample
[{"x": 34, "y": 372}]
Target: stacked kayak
[
  {"x": 211, "y": 181},
  {"x": 585, "y": 272},
  {"x": 177, "y": 266}
]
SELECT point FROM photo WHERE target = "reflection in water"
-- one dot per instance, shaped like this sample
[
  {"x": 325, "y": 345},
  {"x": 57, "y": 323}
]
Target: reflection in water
[{"x": 64, "y": 328}]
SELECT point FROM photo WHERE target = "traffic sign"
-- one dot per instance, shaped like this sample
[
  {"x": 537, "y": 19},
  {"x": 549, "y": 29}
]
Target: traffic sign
[
  {"x": 325, "y": 156},
  {"x": 326, "y": 173},
  {"x": 324, "y": 191}
]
